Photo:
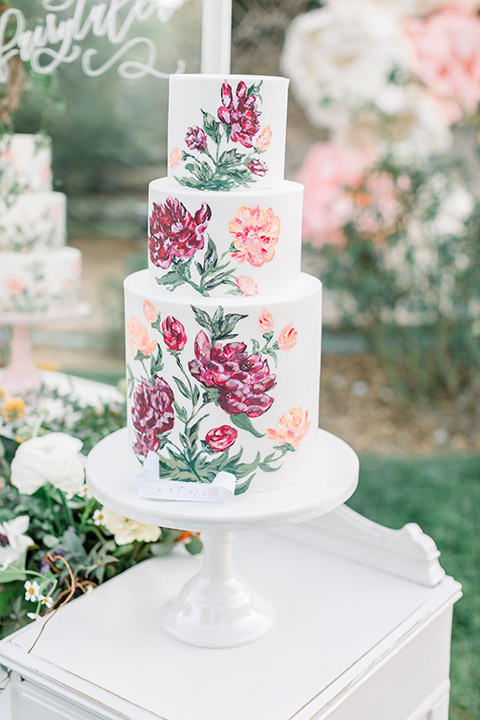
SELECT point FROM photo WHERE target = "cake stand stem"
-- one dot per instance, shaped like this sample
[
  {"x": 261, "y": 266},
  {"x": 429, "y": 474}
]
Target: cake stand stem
[
  {"x": 216, "y": 608},
  {"x": 20, "y": 373}
]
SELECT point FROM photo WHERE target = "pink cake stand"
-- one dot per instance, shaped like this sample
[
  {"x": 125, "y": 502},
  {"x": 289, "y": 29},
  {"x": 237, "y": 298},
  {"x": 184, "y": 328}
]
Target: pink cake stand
[
  {"x": 217, "y": 608},
  {"x": 21, "y": 374}
]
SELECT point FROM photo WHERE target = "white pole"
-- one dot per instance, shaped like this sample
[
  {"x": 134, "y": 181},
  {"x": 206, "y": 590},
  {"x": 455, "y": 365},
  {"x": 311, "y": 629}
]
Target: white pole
[{"x": 216, "y": 36}]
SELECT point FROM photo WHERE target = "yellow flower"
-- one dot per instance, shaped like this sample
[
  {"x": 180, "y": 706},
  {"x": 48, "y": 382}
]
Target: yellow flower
[{"x": 14, "y": 409}]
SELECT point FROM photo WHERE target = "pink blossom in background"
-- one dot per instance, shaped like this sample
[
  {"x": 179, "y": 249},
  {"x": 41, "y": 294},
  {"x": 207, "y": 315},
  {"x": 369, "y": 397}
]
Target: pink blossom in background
[
  {"x": 325, "y": 173},
  {"x": 46, "y": 169},
  {"x": 447, "y": 47},
  {"x": 378, "y": 208},
  {"x": 14, "y": 285},
  {"x": 8, "y": 156}
]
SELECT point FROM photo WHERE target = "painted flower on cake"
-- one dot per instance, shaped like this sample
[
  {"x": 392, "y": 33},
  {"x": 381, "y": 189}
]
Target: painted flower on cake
[
  {"x": 221, "y": 438},
  {"x": 152, "y": 413},
  {"x": 287, "y": 338},
  {"x": 257, "y": 167},
  {"x": 174, "y": 334},
  {"x": 175, "y": 157},
  {"x": 291, "y": 428},
  {"x": 14, "y": 285},
  {"x": 150, "y": 311},
  {"x": 265, "y": 322},
  {"x": 255, "y": 234},
  {"x": 175, "y": 233},
  {"x": 196, "y": 139},
  {"x": 240, "y": 112},
  {"x": 242, "y": 380},
  {"x": 264, "y": 139},
  {"x": 246, "y": 285},
  {"x": 137, "y": 337}
]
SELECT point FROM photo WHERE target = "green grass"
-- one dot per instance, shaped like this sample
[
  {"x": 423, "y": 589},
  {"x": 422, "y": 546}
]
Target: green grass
[{"x": 442, "y": 495}]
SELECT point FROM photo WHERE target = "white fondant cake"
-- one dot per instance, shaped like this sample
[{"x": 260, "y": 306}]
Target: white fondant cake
[
  {"x": 38, "y": 274},
  {"x": 223, "y": 330}
]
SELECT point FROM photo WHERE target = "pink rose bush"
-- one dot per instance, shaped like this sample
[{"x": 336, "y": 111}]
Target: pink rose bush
[
  {"x": 255, "y": 234},
  {"x": 175, "y": 233},
  {"x": 152, "y": 413},
  {"x": 242, "y": 380},
  {"x": 447, "y": 49}
]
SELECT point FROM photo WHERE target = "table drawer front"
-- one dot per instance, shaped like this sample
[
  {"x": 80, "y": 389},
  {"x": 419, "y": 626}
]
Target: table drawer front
[{"x": 31, "y": 701}]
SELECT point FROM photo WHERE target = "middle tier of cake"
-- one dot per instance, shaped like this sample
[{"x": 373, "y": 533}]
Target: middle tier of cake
[
  {"x": 216, "y": 244},
  {"x": 230, "y": 385}
]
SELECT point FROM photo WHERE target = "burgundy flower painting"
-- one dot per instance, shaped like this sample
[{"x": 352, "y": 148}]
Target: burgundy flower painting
[
  {"x": 216, "y": 369},
  {"x": 225, "y": 152}
]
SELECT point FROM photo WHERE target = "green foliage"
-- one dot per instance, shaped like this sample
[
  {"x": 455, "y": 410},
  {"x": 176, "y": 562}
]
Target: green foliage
[
  {"x": 442, "y": 495},
  {"x": 411, "y": 283}
]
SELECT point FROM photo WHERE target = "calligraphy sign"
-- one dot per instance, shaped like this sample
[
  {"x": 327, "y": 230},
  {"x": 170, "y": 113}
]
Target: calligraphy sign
[{"x": 65, "y": 33}]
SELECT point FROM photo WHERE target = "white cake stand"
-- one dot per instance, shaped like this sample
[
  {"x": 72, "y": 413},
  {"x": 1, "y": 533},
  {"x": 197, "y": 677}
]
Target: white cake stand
[
  {"x": 21, "y": 373},
  {"x": 216, "y": 608}
]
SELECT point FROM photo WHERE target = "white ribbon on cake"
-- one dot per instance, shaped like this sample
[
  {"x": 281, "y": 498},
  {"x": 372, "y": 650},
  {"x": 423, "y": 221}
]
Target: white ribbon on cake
[{"x": 150, "y": 485}]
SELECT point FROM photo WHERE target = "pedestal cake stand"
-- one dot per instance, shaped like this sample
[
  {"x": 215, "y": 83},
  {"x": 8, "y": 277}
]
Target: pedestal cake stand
[
  {"x": 21, "y": 374},
  {"x": 217, "y": 608}
]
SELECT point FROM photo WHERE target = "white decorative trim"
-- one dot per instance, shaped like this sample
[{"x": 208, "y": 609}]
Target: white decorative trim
[{"x": 407, "y": 553}]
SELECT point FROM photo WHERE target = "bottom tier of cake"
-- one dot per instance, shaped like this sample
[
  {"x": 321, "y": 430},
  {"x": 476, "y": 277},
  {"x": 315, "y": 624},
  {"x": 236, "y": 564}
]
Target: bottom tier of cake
[
  {"x": 228, "y": 385},
  {"x": 40, "y": 282}
]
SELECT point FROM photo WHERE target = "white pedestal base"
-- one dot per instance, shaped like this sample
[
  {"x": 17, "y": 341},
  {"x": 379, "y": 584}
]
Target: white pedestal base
[{"x": 216, "y": 609}]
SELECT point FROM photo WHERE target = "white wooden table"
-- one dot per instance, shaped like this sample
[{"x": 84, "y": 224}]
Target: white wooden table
[{"x": 362, "y": 633}]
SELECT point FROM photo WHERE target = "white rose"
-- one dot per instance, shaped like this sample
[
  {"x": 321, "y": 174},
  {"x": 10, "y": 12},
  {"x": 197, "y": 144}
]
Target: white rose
[
  {"x": 126, "y": 530},
  {"x": 406, "y": 122},
  {"x": 341, "y": 57},
  {"x": 52, "y": 458}
]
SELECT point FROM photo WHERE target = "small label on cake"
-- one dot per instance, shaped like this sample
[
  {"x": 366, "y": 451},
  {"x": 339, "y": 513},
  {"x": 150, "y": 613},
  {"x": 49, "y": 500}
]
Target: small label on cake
[{"x": 153, "y": 487}]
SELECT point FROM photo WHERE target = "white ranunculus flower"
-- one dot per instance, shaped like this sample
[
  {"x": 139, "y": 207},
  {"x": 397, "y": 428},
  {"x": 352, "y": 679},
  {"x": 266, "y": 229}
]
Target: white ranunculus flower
[
  {"x": 406, "y": 122},
  {"x": 13, "y": 541},
  {"x": 52, "y": 458},
  {"x": 126, "y": 530},
  {"x": 341, "y": 57}
]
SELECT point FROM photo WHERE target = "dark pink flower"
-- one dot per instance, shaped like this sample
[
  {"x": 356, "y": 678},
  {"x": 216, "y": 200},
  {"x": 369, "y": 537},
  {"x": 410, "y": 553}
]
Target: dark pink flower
[
  {"x": 152, "y": 413},
  {"x": 196, "y": 139},
  {"x": 174, "y": 232},
  {"x": 257, "y": 167},
  {"x": 240, "y": 113},
  {"x": 174, "y": 334},
  {"x": 221, "y": 438},
  {"x": 242, "y": 379}
]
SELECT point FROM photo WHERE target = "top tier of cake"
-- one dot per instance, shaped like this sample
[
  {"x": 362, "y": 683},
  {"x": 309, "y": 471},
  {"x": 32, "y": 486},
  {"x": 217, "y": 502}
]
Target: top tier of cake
[{"x": 227, "y": 135}]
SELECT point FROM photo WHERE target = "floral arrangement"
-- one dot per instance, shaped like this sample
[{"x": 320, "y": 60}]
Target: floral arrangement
[
  {"x": 226, "y": 375},
  {"x": 56, "y": 541},
  {"x": 389, "y": 205},
  {"x": 237, "y": 123}
]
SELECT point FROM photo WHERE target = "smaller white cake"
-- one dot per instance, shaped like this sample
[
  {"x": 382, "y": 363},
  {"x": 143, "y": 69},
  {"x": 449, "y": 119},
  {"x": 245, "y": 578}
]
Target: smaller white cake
[{"x": 38, "y": 274}]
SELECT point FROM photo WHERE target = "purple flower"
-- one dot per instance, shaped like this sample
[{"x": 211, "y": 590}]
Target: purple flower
[
  {"x": 152, "y": 413},
  {"x": 242, "y": 379},
  {"x": 196, "y": 139},
  {"x": 174, "y": 232},
  {"x": 257, "y": 167},
  {"x": 240, "y": 113}
]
